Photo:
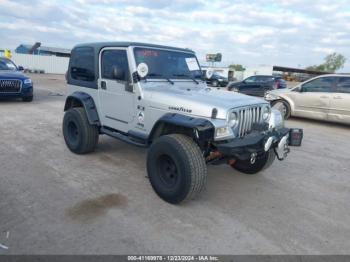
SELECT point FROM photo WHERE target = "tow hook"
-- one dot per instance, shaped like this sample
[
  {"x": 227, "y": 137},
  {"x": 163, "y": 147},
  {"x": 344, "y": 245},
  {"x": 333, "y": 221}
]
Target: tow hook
[
  {"x": 253, "y": 158},
  {"x": 282, "y": 148}
]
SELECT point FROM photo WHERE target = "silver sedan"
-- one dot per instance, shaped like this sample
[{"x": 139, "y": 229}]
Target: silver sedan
[{"x": 325, "y": 97}]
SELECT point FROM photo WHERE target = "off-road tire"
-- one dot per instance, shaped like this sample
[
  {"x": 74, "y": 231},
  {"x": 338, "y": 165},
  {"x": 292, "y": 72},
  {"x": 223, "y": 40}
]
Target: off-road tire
[
  {"x": 286, "y": 105},
  {"x": 262, "y": 162},
  {"x": 27, "y": 98},
  {"x": 182, "y": 182},
  {"x": 79, "y": 135}
]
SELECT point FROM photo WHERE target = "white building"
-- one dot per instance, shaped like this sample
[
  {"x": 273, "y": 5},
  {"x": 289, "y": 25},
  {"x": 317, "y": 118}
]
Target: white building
[{"x": 259, "y": 70}]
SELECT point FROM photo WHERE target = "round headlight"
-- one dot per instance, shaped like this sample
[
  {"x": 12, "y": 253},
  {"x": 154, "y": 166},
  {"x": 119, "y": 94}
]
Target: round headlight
[
  {"x": 266, "y": 113},
  {"x": 232, "y": 119}
]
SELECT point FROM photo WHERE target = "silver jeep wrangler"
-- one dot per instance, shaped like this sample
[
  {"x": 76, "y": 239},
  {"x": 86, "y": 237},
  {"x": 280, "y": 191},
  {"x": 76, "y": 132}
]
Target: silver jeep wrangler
[{"x": 155, "y": 96}]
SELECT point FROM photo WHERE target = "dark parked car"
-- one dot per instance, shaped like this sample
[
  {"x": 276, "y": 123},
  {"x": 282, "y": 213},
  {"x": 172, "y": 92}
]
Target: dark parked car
[
  {"x": 216, "y": 80},
  {"x": 258, "y": 85},
  {"x": 13, "y": 83}
]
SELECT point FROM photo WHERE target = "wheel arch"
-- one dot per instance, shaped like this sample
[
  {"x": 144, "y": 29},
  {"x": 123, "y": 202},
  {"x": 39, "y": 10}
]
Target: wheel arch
[
  {"x": 289, "y": 101},
  {"x": 199, "y": 129},
  {"x": 81, "y": 99}
]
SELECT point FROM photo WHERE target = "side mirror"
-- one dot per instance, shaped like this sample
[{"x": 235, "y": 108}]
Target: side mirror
[
  {"x": 118, "y": 73},
  {"x": 20, "y": 68}
]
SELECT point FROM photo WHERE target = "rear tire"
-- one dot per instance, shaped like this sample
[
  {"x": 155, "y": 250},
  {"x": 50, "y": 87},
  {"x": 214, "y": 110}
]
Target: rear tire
[
  {"x": 215, "y": 83},
  {"x": 262, "y": 162},
  {"x": 284, "y": 107},
  {"x": 176, "y": 168},
  {"x": 79, "y": 135}
]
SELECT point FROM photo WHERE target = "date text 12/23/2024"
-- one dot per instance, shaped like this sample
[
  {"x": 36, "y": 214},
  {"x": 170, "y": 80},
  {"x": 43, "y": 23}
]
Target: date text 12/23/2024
[{"x": 173, "y": 258}]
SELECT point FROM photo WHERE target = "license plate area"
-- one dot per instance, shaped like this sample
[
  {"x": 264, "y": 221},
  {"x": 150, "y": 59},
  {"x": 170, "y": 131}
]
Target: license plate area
[{"x": 295, "y": 136}]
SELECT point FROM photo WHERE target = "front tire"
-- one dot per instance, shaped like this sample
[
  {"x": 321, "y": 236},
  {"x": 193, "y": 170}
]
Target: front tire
[
  {"x": 262, "y": 162},
  {"x": 284, "y": 107},
  {"x": 176, "y": 168},
  {"x": 79, "y": 135}
]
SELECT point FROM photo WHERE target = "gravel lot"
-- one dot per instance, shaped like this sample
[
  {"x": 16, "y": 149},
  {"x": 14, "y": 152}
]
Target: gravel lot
[{"x": 55, "y": 202}]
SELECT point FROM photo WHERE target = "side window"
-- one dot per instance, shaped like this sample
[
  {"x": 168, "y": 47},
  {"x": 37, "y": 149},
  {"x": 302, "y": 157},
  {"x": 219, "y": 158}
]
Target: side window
[
  {"x": 264, "y": 78},
  {"x": 114, "y": 58},
  {"x": 323, "y": 84},
  {"x": 250, "y": 79},
  {"x": 82, "y": 64},
  {"x": 343, "y": 85}
]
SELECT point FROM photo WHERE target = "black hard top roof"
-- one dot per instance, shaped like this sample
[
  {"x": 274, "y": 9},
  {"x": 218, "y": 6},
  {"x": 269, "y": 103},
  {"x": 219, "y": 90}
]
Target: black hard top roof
[{"x": 100, "y": 45}]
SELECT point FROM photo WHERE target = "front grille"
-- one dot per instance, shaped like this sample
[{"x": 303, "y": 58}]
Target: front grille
[
  {"x": 10, "y": 86},
  {"x": 247, "y": 117}
]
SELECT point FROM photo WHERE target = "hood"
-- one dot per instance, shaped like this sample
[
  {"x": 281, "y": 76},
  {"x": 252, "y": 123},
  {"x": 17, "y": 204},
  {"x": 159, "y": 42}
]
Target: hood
[
  {"x": 5, "y": 74},
  {"x": 198, "y": 100},
  {"x": 236, "y": 83}
]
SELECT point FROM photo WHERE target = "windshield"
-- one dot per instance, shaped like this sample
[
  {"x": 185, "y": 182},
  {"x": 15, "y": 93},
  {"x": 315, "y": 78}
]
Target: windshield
[
  {"x": 168, "y": 64},
  {"x": 7, "y": 65}
]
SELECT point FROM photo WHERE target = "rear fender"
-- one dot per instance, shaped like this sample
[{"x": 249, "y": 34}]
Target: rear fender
[{"x": 81, "y": 99}]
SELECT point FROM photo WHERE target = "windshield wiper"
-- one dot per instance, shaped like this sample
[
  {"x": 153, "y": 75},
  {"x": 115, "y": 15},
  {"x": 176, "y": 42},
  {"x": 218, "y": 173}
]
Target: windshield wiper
[
  {"x": 155, "y": 74},
  {"x": 190, "y": 77}
]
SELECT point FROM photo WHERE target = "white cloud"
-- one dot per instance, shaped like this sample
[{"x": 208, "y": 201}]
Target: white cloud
[{"x": 323, "y": 50}]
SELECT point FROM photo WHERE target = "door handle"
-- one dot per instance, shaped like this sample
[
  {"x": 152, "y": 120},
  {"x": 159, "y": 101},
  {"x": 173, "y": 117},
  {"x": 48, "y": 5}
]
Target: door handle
[
  {"x": 103, "y": 85},
  {"x": 324, "y": 97},
  {"x": 337, "y": 97}
]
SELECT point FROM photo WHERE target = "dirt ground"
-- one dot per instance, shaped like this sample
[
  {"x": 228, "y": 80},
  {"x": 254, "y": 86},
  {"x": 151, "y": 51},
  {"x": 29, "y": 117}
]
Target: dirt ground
[{"x": 55, "y": 202}]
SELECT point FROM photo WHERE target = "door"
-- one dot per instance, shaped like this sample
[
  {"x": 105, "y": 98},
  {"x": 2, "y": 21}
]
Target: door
[
  {"x": 116, "y": 96},
  {"x": 340, "y": 102},
  {"x": 313, "y": 100},
  {"x": 250, "y": 86}
]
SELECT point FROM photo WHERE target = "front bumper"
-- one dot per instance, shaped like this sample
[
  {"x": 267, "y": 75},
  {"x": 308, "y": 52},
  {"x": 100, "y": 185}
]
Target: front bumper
[
  {"x": 260, "y": 142},
  {"x": 26, "y": 91}
]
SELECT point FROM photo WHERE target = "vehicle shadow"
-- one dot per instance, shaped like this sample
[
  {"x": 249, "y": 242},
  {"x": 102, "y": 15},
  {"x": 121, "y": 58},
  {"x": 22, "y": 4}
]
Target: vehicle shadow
[{"x": 10, "y": 100}]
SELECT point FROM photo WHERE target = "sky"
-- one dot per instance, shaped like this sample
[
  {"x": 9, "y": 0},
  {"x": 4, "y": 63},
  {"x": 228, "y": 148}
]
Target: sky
[{"x": 295, "y": 33}]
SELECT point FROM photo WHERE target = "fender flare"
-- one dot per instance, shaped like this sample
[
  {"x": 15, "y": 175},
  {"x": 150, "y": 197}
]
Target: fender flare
[
  {"x": 84, "y": 99},
  {"x": 204, "y": 129}
]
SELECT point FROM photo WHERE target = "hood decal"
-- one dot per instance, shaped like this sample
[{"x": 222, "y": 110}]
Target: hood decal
[{"x": 181, "y": 109}]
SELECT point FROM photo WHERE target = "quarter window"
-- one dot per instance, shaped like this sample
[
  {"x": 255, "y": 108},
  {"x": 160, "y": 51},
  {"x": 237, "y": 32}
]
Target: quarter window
[
  {"x": 323, "y": 84},
  {"x": 343, "y": 85},
  {"x": 264, "y": 78},
  {"x": 82, "y": 64},
  {"x": 114, "y": 58}
]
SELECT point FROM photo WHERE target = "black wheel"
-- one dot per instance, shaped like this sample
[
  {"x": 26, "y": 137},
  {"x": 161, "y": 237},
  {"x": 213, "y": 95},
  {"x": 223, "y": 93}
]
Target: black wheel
[
  {"x": 80, "y": 136},
  {"x": 176, "y": 168},
  {"x": 262, "y": 162},
  {"x": 283, "y": 106},
  {"x": 215, "y": 83},
  {"x": 27, "y": 98}
]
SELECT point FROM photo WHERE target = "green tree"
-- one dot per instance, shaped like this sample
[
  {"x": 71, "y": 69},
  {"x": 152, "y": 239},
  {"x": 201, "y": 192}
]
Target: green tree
[
  {"x": 332, "y": 63},
  {"x": 237, "y": 67}
]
